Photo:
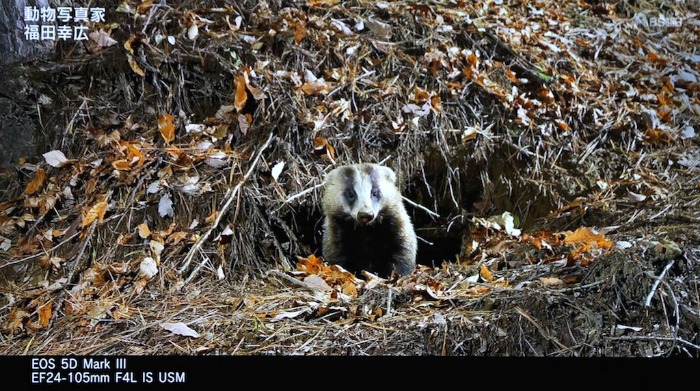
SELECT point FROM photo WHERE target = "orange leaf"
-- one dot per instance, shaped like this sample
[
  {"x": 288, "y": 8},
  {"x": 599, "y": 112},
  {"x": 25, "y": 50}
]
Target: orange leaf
[
  {"x": 583, "y": 235},
  {"x": 656, "y": 136},
  {"x": 316, "y": 87},
  {"x": 129, "y": 44},
  {"x": 241, "y": 96},
  {"x": 135, "y": 155},
  {"x": 316, "y": 3},
  {"x": 653, "y": 57},
  {"x": 299, "y": 33},
  {"x": 15, "y": 321},
  {"x": 144, "y": 231},
  {"x": 421, "y": 95},
  {"x": 563, "y": 125},
  {"x": 144, "y": 6},
  {"x": 96, "y": 212},
  {"x": 485, "y": 273},
  {"x": 121, "y": 165},
  {"x": 35, "y": 184},
  {"x": 45, "y": 314},
  {"x": 311, "y": 264},
  {"x": 473, "y": 60},
  {"x": 322, "y": 146},
  {"x": 166, "y": 127},
  {"x": 135, "y": 66},
  {"x": 436, "y": 103}
]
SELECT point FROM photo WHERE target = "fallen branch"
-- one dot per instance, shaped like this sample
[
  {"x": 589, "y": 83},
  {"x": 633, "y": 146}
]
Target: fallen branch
[
  {"x": 647, "y": 302},
  {"x": 230, "y": 196},
  {"x": 664, "y": 339}
]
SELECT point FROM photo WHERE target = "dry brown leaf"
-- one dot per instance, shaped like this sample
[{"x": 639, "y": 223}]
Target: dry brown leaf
[
  {"x": 121, "y": 165},
  {"x": 657, "y": 136},
  {"x": 420, "y": 95},
  {"x": 144, "y": 6},
  {"x": 144, "y": 231},
  {"x": 318, "y": 86},
  {"x": 166, "y": 127},
  {"x": 299, "y": 33},
  {"x": 317, "y": 3},
  {"x": 436, "y": 103},
  {"x": 583, "y": 235},
  {"x": 135, "y": 66},
  {"x": 176, "y": 237},
  {"x": 97, "y": 211},
  {"x": 35, "y": 184},
  {"x": 485, "y": 273},
  {"x": 241, "y": 95},
  {"x": 310, "y": 264},
  {"x": 549, "y": 281},
  {"x": 323, "y": 147},
  {"x": 211, "y": 218},
  {"x": 562, "y": 125},
  {"x": 15, "y": 320},
  {"x": 135, "y": 155},
  {"x": 45, "y": 313}
]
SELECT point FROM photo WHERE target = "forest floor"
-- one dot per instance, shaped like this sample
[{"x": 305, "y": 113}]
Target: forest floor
[{"x": 186, "y": 142}]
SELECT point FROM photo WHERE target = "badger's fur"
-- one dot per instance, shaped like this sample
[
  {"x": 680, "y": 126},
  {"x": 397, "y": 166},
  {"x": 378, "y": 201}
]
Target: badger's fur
[{"x": 366, "y": 226}]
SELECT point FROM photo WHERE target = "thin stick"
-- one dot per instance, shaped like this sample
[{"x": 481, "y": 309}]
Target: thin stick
[
  {"x": 301, "y": 193},
  {"x": 230, "y": 196},
  {"x": 647, "y": 303},
  {"x": 645, "y": 338},
  {"x": 430, "y": 212}
]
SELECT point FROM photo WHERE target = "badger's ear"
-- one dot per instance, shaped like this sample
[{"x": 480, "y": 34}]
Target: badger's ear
[{"x": 389, "y": 174}]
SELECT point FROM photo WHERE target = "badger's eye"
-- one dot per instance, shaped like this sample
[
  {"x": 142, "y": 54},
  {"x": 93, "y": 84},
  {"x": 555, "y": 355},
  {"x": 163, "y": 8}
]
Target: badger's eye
[
  {"x": 350, "y": 194},
  {"x": 375, "y": 193}
]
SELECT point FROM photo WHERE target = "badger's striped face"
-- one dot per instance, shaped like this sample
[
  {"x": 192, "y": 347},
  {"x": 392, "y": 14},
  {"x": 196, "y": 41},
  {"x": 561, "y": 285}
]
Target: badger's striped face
[{"x": 359, "y": 192}]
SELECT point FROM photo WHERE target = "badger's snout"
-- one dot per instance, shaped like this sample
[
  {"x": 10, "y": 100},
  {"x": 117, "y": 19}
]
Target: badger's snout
[{"x": 364, "y": 217}]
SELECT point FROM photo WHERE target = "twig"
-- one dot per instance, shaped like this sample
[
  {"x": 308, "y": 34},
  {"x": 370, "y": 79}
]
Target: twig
[
  {"x": 301, "y": 193},
  {"x": 430, "y": 212},
  {"x": 644, "y": 338},
  {"x": 539, "y": 328},
  {"x": 230, "y": 196},
  {"x": 64, "y": 241},
  {"x": 647, "y": 303}
]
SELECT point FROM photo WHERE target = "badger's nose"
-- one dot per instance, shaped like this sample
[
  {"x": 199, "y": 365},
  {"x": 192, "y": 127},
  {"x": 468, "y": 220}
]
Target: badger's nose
[{"x": 364, "y": 217}]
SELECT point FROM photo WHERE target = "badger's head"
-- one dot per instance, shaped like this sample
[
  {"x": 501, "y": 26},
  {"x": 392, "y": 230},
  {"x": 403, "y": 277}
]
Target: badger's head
[{"x": 360, "y": 192}]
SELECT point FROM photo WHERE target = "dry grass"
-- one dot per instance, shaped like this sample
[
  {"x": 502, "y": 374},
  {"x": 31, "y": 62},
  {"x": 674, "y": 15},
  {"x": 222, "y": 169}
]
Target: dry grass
[{"x": 567, "y": 115}]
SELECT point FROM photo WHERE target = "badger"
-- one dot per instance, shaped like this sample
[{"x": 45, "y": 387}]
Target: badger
[{"x": 366, "y": 226}]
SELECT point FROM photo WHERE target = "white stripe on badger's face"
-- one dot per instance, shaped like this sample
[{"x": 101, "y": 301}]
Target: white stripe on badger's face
[
  {"x": 368, "y": 203},
  {"x": 359, "y": 192}
]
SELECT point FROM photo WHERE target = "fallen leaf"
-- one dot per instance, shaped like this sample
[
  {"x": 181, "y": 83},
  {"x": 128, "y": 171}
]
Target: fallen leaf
[
  {"x": 148, "y": 268},
  {"x": 549, "y": 281},
  {"x": 166, "y": 127},
  {"x": 55, "y": 158},
  {"x": 180, "y": 328},
  {"x": 323, "y": 147},
  {"x": 97, "y": 211},
  {"x": 165, "y": 206},
  {"x": 102, "y": 38},
  {"x": 485, "y": 273},
  {"x": 277, "y": 170},
  {"x": 193, "y": 31},
  {"x": 45, "y": 314},
  {"x": 35, "y": 184},
  {"x": 240, "y": 96},
  {"x": 317, "y": 282},
  {"x": 135, "y": 66},
  {"x": 144, "y": 231}
]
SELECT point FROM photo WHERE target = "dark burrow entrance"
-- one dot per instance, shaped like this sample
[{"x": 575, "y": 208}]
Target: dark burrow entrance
[{"x": 456, "y": 193}]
